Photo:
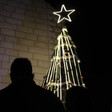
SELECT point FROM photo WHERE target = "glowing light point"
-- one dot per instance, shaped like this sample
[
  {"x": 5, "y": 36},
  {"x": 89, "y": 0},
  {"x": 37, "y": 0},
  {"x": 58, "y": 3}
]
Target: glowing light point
[
  {"x": 66, "y": 13},
  {"x": 84, "y": 85},
  {"x": 78, "y": 61}
]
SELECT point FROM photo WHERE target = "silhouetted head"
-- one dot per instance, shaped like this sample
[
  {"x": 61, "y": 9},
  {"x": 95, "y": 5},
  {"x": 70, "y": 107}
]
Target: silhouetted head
[{"x": 21, "y": 70}]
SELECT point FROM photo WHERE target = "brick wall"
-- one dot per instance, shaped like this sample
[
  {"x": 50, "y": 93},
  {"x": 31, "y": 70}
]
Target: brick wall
[{"x": 27, "y": 29}]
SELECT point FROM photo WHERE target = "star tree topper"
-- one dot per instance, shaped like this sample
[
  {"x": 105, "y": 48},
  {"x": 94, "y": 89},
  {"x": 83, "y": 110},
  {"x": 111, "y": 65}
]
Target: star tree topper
[{"x": 64, "y": 14}]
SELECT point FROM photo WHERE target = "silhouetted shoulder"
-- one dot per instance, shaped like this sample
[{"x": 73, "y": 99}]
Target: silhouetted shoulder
[
  {"x": 30, "y": 98},
  {"x": 78, "y": 100},
  {"x": 50, "y": 100}
]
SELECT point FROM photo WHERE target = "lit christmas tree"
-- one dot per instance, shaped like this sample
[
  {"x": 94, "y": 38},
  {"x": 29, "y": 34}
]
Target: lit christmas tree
[{"x": 64, "y": 71}]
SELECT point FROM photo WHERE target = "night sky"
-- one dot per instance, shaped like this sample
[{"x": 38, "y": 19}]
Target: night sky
[{"x": 91, "y": 29}]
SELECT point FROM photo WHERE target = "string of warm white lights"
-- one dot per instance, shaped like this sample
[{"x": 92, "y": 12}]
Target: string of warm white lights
[
  {"x": 74, "y": 64},
  {"x": 71, "y": 65},
  {"x": 64, "y": 71}
]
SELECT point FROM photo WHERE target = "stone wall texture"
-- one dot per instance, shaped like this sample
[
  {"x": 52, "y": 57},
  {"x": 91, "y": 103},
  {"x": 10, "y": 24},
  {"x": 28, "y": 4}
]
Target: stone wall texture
[{"x": 27, "y": 29}]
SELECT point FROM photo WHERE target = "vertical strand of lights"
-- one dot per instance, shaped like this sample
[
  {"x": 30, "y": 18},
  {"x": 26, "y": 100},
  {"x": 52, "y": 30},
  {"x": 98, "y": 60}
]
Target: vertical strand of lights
[
  {"x": 57, "y": 57},
  {"x": 55, "y": 61},
  {"x": 44, "y": 82},
  {"x": 70, "y": 63},
  {"x": 55, "y": 77},
  {"x": 49, "y": 71},
  {"x": 55, "y": 70},
  {"x": 64, "y": 62},
  {"x": 74, "y": 63},
  {"x": 49, "y": 81},
  {"x": 54, "y": 73},
  {"x": 60, "y": 79},
  {"x": 60, "y": 85},
  {"x": 52, "y": 70},
  {"x": 80, "y": 75}
]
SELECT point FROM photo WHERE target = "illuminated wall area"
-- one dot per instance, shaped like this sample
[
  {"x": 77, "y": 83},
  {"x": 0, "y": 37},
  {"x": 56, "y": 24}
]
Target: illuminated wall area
[{"x": 27, "y": 29}]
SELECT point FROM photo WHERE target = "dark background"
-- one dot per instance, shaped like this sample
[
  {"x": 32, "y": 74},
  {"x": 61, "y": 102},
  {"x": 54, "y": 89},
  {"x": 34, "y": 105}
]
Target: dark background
[{"x": 91, "y": 29}]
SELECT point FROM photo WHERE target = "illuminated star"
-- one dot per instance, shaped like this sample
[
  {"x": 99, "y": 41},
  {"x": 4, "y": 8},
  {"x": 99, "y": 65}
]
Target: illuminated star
[{"x": 64, "y": 14}]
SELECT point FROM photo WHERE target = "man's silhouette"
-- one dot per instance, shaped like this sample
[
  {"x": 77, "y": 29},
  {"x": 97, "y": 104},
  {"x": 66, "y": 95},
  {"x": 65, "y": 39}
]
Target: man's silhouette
[{"x": 23, "y": 95}]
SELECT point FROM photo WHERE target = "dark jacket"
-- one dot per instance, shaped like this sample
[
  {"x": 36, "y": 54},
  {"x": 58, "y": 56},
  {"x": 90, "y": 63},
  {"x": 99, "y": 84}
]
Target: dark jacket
[{"x": 28, "y": 97}]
